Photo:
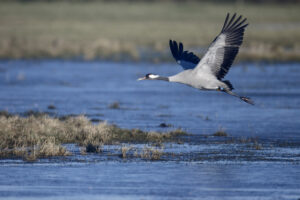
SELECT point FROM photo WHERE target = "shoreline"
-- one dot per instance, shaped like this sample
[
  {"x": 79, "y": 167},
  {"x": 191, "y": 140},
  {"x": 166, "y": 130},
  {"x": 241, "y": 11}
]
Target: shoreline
[
  {"x": 147, "y": 54},
  {"x": 164, "y": 58}
]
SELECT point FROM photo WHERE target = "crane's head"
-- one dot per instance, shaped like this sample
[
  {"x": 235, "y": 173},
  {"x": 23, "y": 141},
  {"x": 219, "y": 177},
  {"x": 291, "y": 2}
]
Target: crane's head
[{"x": 149, "y": 77}]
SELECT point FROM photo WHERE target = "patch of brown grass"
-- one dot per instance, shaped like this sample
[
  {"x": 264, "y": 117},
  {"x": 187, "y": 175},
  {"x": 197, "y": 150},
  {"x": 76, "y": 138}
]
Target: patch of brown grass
[
  {"x": 257, "y": 146},
  {"x": 114, "y": 105},
  {"x": 151, "y": 153},
  {"x": 145, "y": 153},
  {"x": 124, "y": 150},
  {"x": 220, "y": 133},
  {"x": 39, "y": 136}
]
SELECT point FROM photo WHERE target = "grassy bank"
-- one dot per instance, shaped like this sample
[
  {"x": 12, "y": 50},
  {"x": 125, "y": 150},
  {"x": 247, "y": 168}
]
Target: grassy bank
[
  {"x": 39, "y": 136},
  {"x": 141, "y": 31}
]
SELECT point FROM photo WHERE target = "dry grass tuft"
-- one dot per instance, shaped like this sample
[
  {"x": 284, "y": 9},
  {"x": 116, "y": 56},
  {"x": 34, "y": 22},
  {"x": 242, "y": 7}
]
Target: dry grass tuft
[
  {"x": 257, "y": 146},
  {"x": 220, "y": 133},
  {"x": 124, "y": 150},
  {"x": 51, "y": 107},
  {"x": 151, "y": 153},
  {"x": 114, "y": 105},
  {"x": 39, "y": 136}
]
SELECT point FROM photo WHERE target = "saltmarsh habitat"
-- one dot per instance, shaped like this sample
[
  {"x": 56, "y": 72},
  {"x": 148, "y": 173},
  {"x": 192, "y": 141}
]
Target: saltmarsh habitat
[{"x": 75, "y": 123}]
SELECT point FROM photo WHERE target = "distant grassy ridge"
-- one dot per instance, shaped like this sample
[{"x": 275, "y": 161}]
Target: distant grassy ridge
[
  {"x": 141, "y": 30},
  {"x": 151, "y": 1}
]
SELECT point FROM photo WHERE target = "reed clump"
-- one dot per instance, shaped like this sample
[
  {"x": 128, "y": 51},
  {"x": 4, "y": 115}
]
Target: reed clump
[
  {"x": 151, "y": 153},
  {"x": 145, "y": 153},
  {"x": 39, "y": 136},
  {"x": 114, "y": 105},
  {"x": 220, "y": 133}
]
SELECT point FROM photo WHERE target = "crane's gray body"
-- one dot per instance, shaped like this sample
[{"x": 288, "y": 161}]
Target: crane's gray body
[{"x": 196, "y": 79}]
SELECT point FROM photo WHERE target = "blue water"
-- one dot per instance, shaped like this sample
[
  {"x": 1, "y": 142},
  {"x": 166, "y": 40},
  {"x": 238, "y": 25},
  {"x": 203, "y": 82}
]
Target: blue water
[
  {"x": 90, "y": 87},
  {"x": 150, "y": 180},
  {"x": 203, "y": 171}
]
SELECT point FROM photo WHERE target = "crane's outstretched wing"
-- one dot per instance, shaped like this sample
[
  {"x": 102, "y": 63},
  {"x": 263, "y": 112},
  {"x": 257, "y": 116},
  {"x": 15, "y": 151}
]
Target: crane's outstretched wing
[
  {"x": 223, "y": 50},
  {"x": 186, "y": 59}
]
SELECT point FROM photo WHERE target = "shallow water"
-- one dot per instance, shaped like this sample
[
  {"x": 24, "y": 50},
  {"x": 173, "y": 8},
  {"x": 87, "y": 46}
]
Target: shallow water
[
  {"x": 149, "y": 180},
  {"x": 201, "y": 167},
  {"x": 90, "y": 87}
]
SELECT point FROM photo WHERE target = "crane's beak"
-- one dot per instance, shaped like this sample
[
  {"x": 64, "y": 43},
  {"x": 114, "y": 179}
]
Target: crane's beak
[{"x": 140, "y": 79}]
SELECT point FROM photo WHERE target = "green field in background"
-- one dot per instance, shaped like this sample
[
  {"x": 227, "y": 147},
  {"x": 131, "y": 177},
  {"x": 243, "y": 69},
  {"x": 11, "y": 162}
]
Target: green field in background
[{"x": 132, "y": 31}]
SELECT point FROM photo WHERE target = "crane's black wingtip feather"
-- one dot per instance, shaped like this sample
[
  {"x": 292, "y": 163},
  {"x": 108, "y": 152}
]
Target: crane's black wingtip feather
[
  {"x": 231, "y": 24},
  {"x": 233, "y": 29},
  {"x": 173, "y": 49},
  {"x": 177, "y": 50}
]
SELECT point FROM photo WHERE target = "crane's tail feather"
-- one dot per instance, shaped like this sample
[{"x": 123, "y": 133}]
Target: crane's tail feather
[{"x": 247, "y": 100}]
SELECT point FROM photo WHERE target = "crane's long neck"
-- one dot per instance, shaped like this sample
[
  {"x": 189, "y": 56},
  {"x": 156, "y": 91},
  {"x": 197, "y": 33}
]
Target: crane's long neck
[{"x": 161, "y": 78}]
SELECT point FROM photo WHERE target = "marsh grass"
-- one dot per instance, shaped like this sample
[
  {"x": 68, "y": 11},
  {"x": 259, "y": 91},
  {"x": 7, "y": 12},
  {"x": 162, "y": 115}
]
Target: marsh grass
[
  {"x": 151, "y": 153},
  {"x": 51, "y": 107},
  {"x": 114, "y": 105},
  {"x": 124, "y": 150},
  {"x": 40, "y": 136},
  {"x": 141, "y": 30},
  {"x": 257, "y": 146},
  {"x": 146, "y": 153},
  {"x": 220, "y": 133}
]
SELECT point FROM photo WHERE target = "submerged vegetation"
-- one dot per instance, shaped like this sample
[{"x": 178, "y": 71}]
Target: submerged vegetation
[
  {"x": 39, "y": 136},
  {"x": 141, "y": 30}
]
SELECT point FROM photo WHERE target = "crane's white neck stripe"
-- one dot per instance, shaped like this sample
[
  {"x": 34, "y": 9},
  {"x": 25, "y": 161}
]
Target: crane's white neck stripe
[{"x": 153, "y": 76}]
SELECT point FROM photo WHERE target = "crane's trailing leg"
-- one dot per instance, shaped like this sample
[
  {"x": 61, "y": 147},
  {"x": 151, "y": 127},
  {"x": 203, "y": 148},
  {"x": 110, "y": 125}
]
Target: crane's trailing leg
[{"x": 245, "y": 99}]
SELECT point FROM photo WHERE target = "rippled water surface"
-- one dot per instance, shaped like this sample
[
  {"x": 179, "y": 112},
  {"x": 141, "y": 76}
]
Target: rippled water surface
[{"x": 202, "y": 168}]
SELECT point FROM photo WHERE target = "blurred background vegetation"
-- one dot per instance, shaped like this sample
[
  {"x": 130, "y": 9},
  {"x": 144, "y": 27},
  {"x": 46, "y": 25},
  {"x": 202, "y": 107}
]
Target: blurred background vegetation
[{"x": 140, "y": 29}]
